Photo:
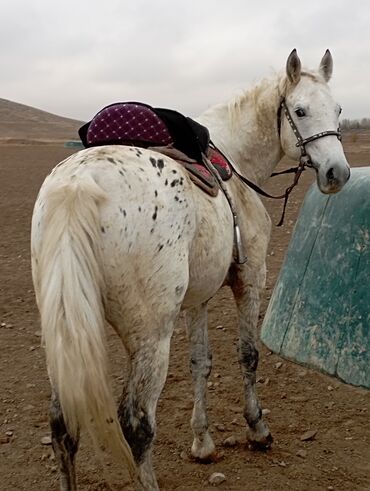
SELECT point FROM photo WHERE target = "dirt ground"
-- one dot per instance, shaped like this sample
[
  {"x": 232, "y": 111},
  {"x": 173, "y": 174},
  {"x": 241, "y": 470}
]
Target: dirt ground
[{"x": 299, "y": 400}]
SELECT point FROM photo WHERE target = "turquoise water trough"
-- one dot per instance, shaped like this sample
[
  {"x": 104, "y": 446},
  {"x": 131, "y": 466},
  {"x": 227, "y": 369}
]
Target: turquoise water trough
[{"x": 319, "y": 313}]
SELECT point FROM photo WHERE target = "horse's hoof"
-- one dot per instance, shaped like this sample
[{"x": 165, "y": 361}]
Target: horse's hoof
[{"x": 261, "y": 445}]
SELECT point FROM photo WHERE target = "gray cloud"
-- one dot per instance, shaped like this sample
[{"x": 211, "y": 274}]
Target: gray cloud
[{"x": 73, "y": 57}]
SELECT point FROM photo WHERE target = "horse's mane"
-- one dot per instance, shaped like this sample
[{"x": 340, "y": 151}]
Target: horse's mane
[{"x": 278, "y": 86}]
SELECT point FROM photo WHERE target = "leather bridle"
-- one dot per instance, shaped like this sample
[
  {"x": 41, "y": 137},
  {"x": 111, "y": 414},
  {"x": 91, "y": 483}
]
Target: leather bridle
[
  {"x": 302, "y": 142},
  {"x": 304, "y": 160}
]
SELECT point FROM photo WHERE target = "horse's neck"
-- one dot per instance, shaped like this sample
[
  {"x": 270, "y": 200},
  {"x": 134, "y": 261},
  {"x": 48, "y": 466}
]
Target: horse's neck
[{"x": 246, "y": 130}]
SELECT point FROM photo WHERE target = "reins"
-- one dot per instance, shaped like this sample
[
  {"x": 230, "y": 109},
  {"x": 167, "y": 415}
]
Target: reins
[{"x": 304, "y": 160}]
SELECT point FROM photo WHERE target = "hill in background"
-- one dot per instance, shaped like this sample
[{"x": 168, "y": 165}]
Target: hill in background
[{"x": 21, "y": 123}]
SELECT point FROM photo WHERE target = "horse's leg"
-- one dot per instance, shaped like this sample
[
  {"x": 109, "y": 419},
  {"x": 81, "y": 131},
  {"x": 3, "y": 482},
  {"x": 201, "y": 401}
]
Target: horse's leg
[
  {"x": 64, "y": 445},
  {"x": 200, "y": 367},
  {"x": 148, "y": 370},
  {"x": 246, "y": 284}
]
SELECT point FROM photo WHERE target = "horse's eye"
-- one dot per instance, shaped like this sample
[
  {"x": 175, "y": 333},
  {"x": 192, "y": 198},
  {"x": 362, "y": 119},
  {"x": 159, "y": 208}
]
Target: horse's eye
[{"x": 300, "y": 112}]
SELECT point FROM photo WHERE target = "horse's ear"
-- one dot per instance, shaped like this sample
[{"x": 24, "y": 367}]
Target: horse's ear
[
  {"x": 293, "y": 67},
  {"x": 326, "y": 66}
]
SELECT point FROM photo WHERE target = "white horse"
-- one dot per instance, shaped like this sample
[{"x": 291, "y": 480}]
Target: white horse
[{"x": 122, "y": 235}]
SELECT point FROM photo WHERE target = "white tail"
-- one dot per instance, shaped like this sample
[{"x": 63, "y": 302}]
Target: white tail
[{"x": 70, "y": 284}]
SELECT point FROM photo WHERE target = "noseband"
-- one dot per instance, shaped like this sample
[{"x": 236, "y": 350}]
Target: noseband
[{"x": 305, "y": 159}]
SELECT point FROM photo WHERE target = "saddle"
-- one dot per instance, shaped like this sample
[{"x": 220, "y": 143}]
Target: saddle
[{"x": 163, "y": 130}]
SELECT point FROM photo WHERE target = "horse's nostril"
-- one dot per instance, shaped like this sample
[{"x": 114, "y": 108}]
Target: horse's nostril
[{"x": 330, "y": 174}]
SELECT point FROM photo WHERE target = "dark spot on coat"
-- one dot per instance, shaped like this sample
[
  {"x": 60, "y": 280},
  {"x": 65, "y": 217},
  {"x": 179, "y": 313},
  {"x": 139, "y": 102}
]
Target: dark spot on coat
[
  {"x": 248, "y": 356},
  {"x": 160, "y": 247},
  {"x": 137, "y": 429},
  {"x": 177, "y": 198},
  {"x": 121, "y": 172},
  {"x": 174, "y": 183},
  {"x": 152, "y": 230},
  {"x": 174, "y": 171},
  {"x": 153, "y": 161},
  {"x": 112, "y": 161},
  {"x": 160, "y": 164},
  {"x": 179, "y": 289},
  {"x": 155, "y": 193},
  {"x": 102, "y": 229},
  {"x": 166, "y": 182},
  {"x": 154, "y": 216},
  {"x": 139, "y": 208}
]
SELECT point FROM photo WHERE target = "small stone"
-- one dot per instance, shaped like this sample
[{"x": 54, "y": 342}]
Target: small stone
[
  {"x": 302, "y": 453},
  {"x": 29, "y": 407},
  {"x": 220, "y": 427},
  {"x": 219, "y": 327},
  {"x": 282, "y": 463},
  {"x": 309, "y": 435},
  {"x": 267, "y": 381},
  {"x": 278, "y": 365},
  {"x": 46, "y": 440},
  {"x": 298, "y": 398},
  {"x": 184, "y": 455},
  {"x": 38, "y": 334},
  {"x": 9, "y": 433},
  {"x": 216, "y": 478},
  {"x": 32, "y": 348},
  {"x": 330, "y": 488},
  {"x": 230, "y": 441},
  {"x": 265, "y": 411},
  {"x": 330, "y": 388}
]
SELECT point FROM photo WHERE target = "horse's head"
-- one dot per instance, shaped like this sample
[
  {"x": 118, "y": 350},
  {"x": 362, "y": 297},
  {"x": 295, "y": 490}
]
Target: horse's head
[{"x": 310, "y": 122}]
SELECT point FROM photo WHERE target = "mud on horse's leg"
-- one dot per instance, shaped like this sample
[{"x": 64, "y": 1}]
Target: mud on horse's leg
[
  {"x": 137, "y": 408},
  {"x": 247, "y": 297},
  {"x": 203, "y": 447},
  {"x": 64, "y": 446}
]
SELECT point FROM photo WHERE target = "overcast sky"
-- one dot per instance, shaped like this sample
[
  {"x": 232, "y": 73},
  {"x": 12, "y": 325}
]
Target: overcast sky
[{"x": 72, "y": 57}]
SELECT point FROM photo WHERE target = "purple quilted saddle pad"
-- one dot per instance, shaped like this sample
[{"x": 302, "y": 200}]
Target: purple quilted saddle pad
[{"x": 128, "y": 122}]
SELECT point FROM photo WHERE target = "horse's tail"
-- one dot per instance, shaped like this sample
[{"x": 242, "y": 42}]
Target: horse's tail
[{"x": 69, "y": 281}]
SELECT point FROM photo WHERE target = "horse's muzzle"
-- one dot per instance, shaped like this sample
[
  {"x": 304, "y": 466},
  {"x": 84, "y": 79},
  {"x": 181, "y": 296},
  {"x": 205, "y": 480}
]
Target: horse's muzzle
[{"x": 332, "y": 180}]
